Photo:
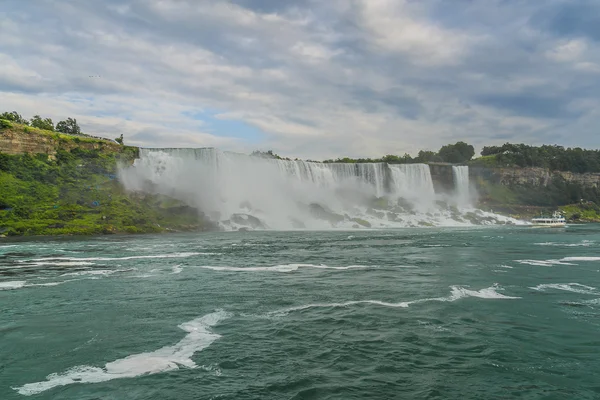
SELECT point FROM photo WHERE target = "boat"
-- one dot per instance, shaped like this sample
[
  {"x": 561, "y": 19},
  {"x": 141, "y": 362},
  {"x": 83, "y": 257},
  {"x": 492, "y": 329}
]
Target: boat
[{"x": 557, "y": 220}]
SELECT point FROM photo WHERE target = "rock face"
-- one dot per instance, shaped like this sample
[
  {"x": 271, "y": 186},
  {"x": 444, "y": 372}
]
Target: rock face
[
  {"x": 532, "y": 176},
  {"x": 441, "y": 175},
  {"x": 30, "y": 140}
]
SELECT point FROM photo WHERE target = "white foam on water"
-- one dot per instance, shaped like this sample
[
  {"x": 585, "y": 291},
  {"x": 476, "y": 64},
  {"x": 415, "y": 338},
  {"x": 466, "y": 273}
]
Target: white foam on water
[
  {"x": 52, "y": 283},
  {"x": 487, "y": 293},
  {"x": 103, "y": 272},
  {"x": 580, "y": 259},
  {"x": 286, "y": 311},
  {"x": 505, "y": 266},
  {"x": 281, "y": 268},
  {"x": 173, "y": 255},
  {"x": 62, "y": 263},
  {"x": 176, "y": 269},
  {"x": 583, "y": 243},
  {"x": 457, "y": 292},
  {"x": 12, "y": 285},
  {"x": 544, "y": 263},
  {"x": 277, "y": 268},
  {"x": 568, "y": 287},
  {"x": 199, "y": 336},
  {"x": 593, "y": 302}
]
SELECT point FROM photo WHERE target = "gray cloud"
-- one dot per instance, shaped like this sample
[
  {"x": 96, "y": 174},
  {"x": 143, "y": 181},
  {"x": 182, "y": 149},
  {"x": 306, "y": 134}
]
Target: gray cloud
[{"x": 319, "y": 79}]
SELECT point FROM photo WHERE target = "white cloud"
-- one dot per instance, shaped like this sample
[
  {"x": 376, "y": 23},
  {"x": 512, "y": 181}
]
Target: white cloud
[
  {"x": 395, "y": 26},
  {"x": 568, "y": 51},
  {"x": 357, "y": 78}
]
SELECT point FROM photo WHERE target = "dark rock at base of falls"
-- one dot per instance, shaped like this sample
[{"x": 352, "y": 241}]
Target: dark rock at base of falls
[
  {"x": 247, "y": 221},
  {"x": 318, "y": 211}
]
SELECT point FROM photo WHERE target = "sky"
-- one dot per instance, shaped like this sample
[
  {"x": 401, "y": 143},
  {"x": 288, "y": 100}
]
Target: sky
[{"x": 312, "y": 79}]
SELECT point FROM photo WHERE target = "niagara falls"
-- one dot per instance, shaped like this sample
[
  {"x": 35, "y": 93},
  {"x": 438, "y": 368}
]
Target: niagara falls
[{"x": 241, "y": 191}]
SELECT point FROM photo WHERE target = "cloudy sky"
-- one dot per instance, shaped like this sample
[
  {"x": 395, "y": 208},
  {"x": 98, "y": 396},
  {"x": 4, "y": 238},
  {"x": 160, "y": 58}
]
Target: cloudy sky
[{"x": 308, "y": 78}]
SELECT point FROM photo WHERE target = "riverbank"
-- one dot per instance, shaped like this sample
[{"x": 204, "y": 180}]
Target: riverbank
[{"x": 72, "y": 188}]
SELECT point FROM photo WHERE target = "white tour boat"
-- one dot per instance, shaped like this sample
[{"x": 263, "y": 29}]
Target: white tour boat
[{"x": 556, "y": 221}]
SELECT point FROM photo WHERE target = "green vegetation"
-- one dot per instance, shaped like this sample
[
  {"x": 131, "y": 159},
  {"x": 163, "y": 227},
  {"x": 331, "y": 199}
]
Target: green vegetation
[
  {"x": 69, "y": 126},
  {"x": 557, "y": 192},
  {"x": 457, "y": 153},
  {"x": 7, "y": 126},
  {"x": 76, "y": 191},
  {"x": 38, "y": 122},
  {"x": 555, "y": 158},
  {"x": 583, "y": 212},
  {"x": 14, "y": 117}
]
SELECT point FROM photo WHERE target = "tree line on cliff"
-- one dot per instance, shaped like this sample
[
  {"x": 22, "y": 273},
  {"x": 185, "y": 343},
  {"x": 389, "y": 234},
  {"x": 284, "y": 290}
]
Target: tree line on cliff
[
  {"x": 552, "y": 157},
  {"x": 68, "y": 126},
  {"x": 457, "y": 153}
]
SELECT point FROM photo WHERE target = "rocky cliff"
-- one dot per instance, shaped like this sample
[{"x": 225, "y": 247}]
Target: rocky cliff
[
  {"x": 532, "y": 176},
  {"x": 20, "y": 139}
]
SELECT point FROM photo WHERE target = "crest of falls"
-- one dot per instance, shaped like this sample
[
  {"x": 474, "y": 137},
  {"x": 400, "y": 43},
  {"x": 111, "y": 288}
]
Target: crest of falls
[
  {"x": 240, "y": 191},
  {"x": 460, "y": 175}
]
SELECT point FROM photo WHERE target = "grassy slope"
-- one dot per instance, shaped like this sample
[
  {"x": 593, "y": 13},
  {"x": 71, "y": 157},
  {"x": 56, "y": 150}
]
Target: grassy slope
[
  {"x": 9, "y": 126},
  {"x": 78, "y": 193}
]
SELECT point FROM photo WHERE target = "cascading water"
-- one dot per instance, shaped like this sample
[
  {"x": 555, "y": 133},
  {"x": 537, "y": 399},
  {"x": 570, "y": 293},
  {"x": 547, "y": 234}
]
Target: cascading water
[
  {"x": 413, "y": 181},
  {"x": 461, "y": 184},
  {"x": 237, "y": 190}
]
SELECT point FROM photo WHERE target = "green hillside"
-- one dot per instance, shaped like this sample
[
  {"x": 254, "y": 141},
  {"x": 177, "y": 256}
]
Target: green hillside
[{"x": 76, "y": 191}]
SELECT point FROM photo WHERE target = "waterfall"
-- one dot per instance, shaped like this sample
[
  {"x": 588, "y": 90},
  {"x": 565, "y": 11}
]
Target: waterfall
[
  {"x": 413, "y": 181},
  {"x": 237, "y": 190},
  {"x": 461, "y": 184}
]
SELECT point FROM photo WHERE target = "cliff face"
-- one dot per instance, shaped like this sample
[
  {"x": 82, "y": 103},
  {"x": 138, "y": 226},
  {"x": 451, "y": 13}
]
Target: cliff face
[
  {"x": 535, "y": 177},
  {"x": 19, "y": 140},
  {"x": 441, "y": 175}
]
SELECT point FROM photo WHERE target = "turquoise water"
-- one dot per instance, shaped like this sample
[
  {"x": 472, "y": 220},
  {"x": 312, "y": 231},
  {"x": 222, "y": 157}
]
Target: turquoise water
[{"x": 470, "y": 313}]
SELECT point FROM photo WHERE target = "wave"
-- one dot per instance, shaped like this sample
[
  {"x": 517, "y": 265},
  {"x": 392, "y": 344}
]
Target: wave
[
  {"x": 174, "y": 255},
  {"x": 168, "y": 358},
  {"x": 562, "y": 261},
  {"x": 457, "y": 292},
  {"x": 568, "y": 287},
  {"x": 176, "y": 269},
  {"x": 545, "y": 263},
  {"x": 580, "y": 259},
  {"x": 12, "y": 285},
  {"x": 583, "y": 243},
  {"x": 104, "y": 272},
  {"x": 61, "y": 263},
  {"x": 281, "y": 268}
]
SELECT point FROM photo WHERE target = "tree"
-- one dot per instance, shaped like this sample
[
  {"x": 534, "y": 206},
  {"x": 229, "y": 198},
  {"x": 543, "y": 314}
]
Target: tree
[
  {"x": 266, "y": 154},
  {"x": 491, "y": 150},
  {"x": 69, "y": 126},
  {"x": 459, "y": 152},
  {"x": 426, "y": 156},
  {"x": 119, "y": 139},
  {"x": 14, "y": 117},
  {"x": 391, "y": 159},
  {"x": 38, "y": 122}
]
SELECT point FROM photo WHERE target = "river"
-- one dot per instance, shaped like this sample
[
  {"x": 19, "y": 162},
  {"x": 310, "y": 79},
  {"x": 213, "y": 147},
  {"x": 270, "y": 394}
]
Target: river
[{"x": 431, "y": 313}]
